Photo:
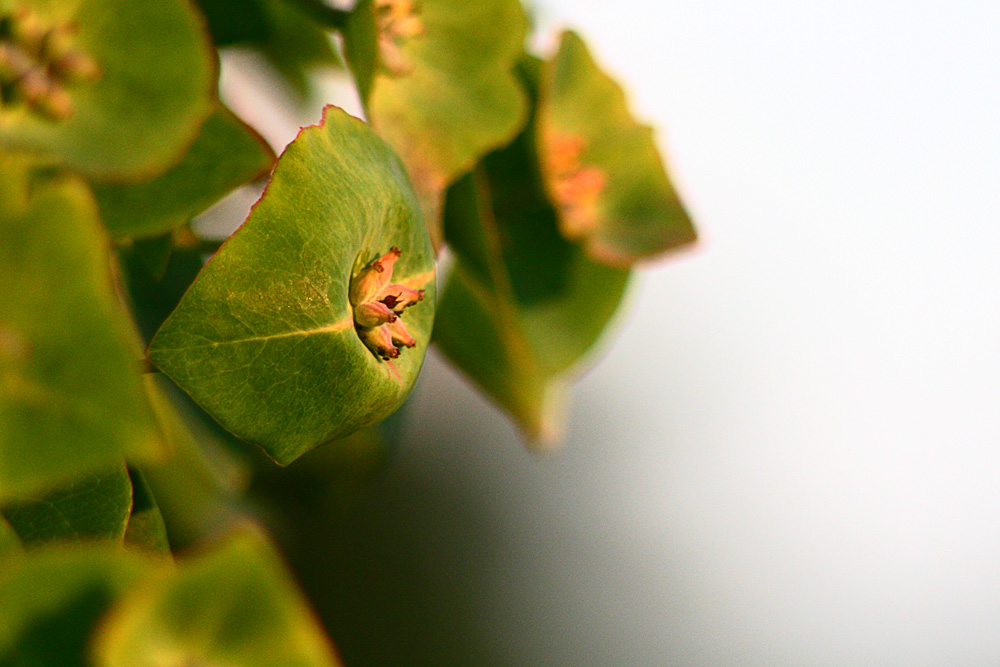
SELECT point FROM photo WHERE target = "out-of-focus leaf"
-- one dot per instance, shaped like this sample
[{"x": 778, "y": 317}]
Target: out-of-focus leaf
[
  {"x": 236, "y": 605},
  {"x": 196, "y": 486},
  {"x": 152, "y": 254},
  {"x": 9, "y": 542},
  {"x": 265, "y": 338},
  {"x": 145, "y": 530},
  {"x": 155, "y": 297},
  {"x": 522, "y": 305},
  {"x": 601, "y": 167},
  {"x": 438, "y": 80},
  {"x": 226, "y": 153},
  {"x": 51, "y": 602},
  {"x": 123, "y": 100},
  {"x": 296, "y": 45},
  {"x": 71, "y": 403},
  {"x": 95, "y": 507},
  {"x": 280, "y": 29}
]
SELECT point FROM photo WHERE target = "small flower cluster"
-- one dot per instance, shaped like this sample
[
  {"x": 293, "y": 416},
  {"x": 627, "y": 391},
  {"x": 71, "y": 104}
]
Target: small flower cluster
[
  {"x": 575, "y": 189},
  {"x": 398, "y": 22},
  {"x": 38, "y": 62},
  {"x": 378, "y": 307}
]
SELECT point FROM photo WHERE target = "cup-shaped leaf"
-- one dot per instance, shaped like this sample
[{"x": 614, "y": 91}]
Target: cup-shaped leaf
[
  {"x": 265, "y": 339},
  {"x": 226, "y": 154},
  {"x": 236, "y": 605},
  {"x": 71, "y": 402},
  {"x": 438, "y": 77},
  {"x": 94, "y": 507},
  {"x": 602, "y": 168},
  {"x": 114, "y": 88}
]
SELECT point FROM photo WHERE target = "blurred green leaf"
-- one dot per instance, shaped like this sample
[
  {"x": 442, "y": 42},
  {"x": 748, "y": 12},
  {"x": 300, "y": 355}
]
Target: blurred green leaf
[
  {"x": 52, "y": 601},
  {"x": 226, "y": 154},
  {"x": 601, "y": 167},
  {"x": 193, "y": 491},
  {"x": 280, "y": 29},
  {"x": 522, "y": 305},
  {"x": 236, "y": 605},
  {"x": 152, "y": 254},
  {"x": 9, "y": 542},
  {"x": 265, "y": 340},
  {"x": 95, "y": 507},
  {"x": 71, "y": 403},
  {"x": 145, "y": 81},
  {"x": 437, "y": 77},
  {"x": 145, "y": 530}
]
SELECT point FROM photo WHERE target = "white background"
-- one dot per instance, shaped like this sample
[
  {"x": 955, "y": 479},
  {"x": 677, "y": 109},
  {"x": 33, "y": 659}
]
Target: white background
[{"x": 790, "y": 454}]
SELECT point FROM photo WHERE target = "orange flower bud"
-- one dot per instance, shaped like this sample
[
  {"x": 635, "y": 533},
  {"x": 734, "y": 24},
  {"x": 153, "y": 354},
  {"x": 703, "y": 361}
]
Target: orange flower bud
[
  {"x": 373, "y": 314},
  {"x": 400, "y": 336}
]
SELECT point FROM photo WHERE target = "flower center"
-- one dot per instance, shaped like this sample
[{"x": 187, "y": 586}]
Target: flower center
[
  {"x": 378, "y": 307},
  {"x": 39, "y": 63},
  {"x": 398, "y": 22}
]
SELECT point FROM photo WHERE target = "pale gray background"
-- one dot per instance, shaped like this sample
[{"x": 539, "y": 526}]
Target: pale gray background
[{"x": 790, "y": 453}]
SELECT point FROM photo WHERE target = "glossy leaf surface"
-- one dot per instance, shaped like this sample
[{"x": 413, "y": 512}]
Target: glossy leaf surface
[
  {"x": 522, "y": 306},
  {"x": 439, "y": 83},
  {"x": 236, "y": 605},
  {"x": 264, "y": 339},
  {"x": 225, "y": 154},
  {"x": 71, "y": 403},
  {"x": 52, "y": 601},
  {"x": 150, "y": 86},
  {"x": 95, "y": 507},
  {"x": 602, "y": 167}
]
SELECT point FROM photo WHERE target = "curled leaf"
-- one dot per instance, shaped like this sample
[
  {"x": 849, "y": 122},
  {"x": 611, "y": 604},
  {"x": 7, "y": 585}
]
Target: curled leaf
[
  {"x": 266, "y": 339},
  {"x": 601, "y": 167}
]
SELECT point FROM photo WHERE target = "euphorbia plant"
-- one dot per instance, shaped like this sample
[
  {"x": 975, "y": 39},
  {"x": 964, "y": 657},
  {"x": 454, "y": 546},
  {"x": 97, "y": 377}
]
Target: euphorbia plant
[{"x": 146, "y": 394}]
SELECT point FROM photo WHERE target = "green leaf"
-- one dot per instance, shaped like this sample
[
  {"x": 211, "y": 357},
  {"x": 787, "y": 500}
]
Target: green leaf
[
  {"x": 51, "y": 603},
  {"x": 192, "y": 487},
  {"x": 237, "y": 605},
  {"x": 9, "y": 542},
  {"x": 522, "y": 306},
  {"x": 265, "y": 340},
  {"x": 71, "y": 403},
  {"x": 95, "y": 507},
  {"x": 226, "y": 154},
  {"x": 296, "y": 44},
  {"x": 280, "y": 29},
  {"x": 601, "y": 167},
  {"x": 438, "y": 79},
  {"x": 144, "y": 81},
  {"x": 146, "y": 530}
]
